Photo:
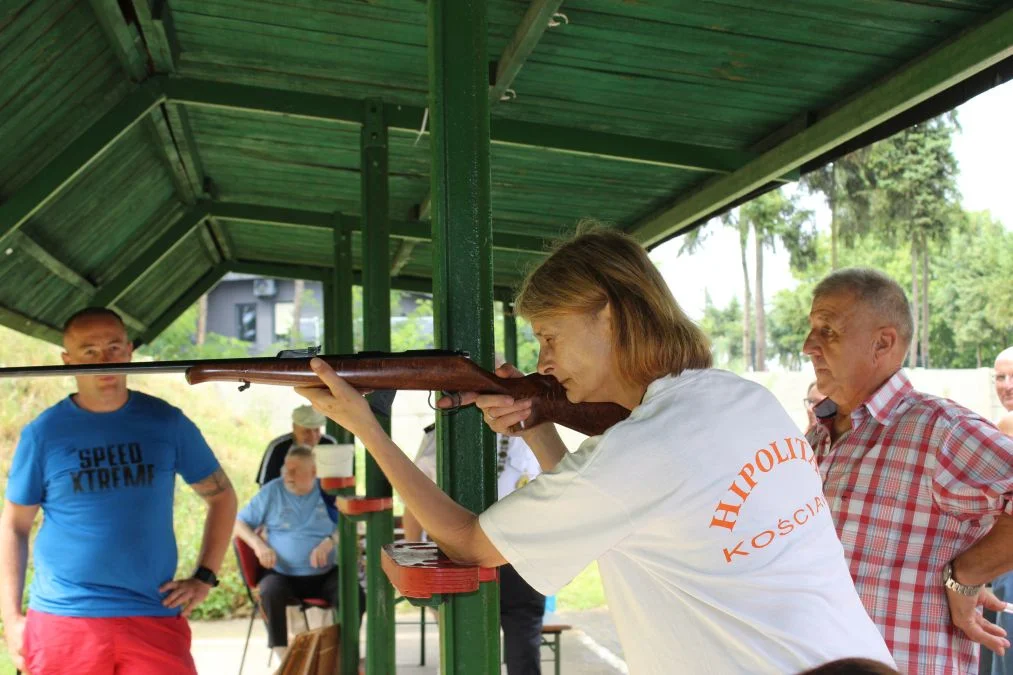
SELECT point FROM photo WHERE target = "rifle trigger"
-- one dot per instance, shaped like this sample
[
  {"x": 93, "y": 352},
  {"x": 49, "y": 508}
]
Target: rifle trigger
[{"x": 244, "y": 386}]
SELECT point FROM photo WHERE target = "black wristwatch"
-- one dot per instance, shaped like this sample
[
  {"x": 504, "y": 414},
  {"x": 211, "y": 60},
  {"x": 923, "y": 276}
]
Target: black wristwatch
[{"x": 207, "y": 576}]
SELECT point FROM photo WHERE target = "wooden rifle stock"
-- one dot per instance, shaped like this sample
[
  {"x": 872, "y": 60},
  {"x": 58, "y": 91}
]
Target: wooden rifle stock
[{"x": 426, "y": 370}]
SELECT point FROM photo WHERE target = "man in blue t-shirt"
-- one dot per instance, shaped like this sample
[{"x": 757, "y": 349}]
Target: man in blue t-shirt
[
  {"x": 102, "y": 465},
  {"x": 297, "y": 549}
]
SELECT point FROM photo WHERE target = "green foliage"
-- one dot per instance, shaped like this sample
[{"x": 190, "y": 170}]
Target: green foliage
[
  {"x": 788, "y": 325},
  {"x": 414, "y": 331},
  {"x": 724, "y": 328},
  {"x": 916, "y": 196},
  {"x": 972, "y": 300},
  {"x": 776, "y": 217}
]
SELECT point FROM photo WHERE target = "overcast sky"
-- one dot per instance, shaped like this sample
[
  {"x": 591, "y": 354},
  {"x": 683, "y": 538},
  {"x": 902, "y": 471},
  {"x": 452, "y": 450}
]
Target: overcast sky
[{"x": 984, "y": 150}]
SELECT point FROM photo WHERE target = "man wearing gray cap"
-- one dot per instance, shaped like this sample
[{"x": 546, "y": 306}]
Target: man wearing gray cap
[{"x": 307, "y": 426}]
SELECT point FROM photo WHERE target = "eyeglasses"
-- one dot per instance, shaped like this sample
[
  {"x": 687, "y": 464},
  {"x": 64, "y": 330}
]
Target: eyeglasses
[{"x": 809, "y": 402}]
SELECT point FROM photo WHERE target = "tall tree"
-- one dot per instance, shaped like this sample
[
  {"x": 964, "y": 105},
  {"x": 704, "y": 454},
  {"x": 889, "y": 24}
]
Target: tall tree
[
  {"x": 202, "y": 320},
  {"x": 846, "y": 185},
  {"x": 774, "y": 217},
  {"x": 691, "y": 244},
  {"x": 972, "y": 299},
  {"x": 917, "y": 200}
]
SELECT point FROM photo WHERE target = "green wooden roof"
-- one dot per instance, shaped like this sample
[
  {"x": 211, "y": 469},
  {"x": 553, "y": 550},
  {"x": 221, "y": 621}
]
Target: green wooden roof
[{"x": 149, "y": 147}]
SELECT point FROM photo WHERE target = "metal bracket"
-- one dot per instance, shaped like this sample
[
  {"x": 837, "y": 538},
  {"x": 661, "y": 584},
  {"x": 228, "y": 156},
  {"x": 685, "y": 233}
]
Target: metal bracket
[
  {"x": 382, "y": 401},
  {"x": 307, "y": 353}
]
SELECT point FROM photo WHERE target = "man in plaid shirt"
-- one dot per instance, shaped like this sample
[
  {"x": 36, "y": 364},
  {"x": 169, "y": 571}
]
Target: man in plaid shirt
[{"x": 921, "y": 489}]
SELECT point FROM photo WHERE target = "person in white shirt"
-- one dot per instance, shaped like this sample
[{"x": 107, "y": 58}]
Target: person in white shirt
[
  {"x": 704, "y": 509},
  {"x": 521, "y": 607}
]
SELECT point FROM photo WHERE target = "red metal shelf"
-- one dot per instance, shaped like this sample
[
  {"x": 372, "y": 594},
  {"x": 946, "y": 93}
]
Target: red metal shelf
[
  {"x": 339, "y": 483},
  {"x": 420, "y": 570},
  {"x": 359, "y": 506}
]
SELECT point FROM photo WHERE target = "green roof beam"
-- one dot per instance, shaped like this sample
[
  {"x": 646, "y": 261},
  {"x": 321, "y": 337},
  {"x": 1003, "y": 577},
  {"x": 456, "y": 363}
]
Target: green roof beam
[
  {"x": 409, "y": 118},
  {"x": 417, "y": 231},
  {"x": 123, "y": 38},
  {"x": 207, "y": 237},
  {"x": 118, "y": 286},
  {"x": 78, "y": 156},
  {"x": 29, "y": 326},
  {"x": 402, "y": 256},
  {"x": 158, "y": 32},
  {"x": 192, "y": 294},
  {"x": 521, "y": 45},
  {"x": 59, "y": 269},
  {"x": 165, "y": 145},
  {"x": 973, "y": 51},
  {"x": 182, "y": 134},
  {"x": 221, "y": 237},
  {"x": 280, "y": 270}
]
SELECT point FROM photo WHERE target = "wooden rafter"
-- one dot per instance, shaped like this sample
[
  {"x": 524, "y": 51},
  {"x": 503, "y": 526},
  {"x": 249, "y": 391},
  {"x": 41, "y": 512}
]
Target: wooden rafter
[
  {"x": 525, "y": 39},
  {"x": 418, "y": 232}
]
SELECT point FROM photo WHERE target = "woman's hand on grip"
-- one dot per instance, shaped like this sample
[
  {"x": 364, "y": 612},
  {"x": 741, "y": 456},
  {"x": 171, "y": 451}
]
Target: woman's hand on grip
[{"x": 503, "y": 414}]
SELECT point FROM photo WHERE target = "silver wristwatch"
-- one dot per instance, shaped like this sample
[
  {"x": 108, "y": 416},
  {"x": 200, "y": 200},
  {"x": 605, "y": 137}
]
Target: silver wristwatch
[{"x": 957, "y": 587}]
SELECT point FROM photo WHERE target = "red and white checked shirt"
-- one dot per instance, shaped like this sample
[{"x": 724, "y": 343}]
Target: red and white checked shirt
[{"x": 914, "y": 483}]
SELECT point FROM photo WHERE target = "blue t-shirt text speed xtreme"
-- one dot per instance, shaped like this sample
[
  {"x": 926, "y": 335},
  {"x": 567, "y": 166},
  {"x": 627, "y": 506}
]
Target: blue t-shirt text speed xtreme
[{"x": 105, "y": 482}]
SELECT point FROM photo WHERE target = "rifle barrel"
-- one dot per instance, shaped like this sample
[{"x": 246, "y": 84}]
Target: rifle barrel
[{"x": 153, "y": 368}]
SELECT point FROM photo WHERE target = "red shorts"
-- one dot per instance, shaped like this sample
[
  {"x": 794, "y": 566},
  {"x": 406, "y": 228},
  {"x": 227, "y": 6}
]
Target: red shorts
[{"x": 135, "y": 645}]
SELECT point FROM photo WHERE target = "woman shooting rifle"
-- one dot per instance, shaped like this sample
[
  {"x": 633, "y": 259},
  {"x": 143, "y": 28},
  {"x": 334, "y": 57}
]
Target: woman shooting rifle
[{"x": 704, "y": 508}]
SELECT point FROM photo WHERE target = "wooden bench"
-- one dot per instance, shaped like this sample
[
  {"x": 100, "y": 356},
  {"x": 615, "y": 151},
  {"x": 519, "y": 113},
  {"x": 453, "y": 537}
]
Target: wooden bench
[{"x": 550, "y": 639}]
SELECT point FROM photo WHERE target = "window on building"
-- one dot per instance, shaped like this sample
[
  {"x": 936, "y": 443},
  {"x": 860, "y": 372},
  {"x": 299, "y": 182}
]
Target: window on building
[
  {"x": 283, "y": 320},
  {"x": 246, "y": 322}
]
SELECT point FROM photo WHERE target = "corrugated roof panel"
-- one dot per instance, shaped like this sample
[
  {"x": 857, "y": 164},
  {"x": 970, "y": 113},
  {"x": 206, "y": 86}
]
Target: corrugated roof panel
[
  {"x": 307, "y": 164},
  {"x": 354, "y": 49},
  {"x": 164, "y": 283},
  {"x": 59, "y": 77},
  {"x": 90, "y": 223},
  {"x": 718, "y": 73},
  {"x": 28, "y": 287},
  {"x": 275, "y": 243}
]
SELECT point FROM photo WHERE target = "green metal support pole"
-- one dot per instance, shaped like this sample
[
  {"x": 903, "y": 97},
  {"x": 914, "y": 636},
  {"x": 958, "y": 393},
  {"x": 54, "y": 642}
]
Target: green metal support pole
[
  {"x": 463, "y": 294},
  {"x": 338, "y": 334},
  {"x": 509, "y": 333},
  {"x": 376, "y": 337}
]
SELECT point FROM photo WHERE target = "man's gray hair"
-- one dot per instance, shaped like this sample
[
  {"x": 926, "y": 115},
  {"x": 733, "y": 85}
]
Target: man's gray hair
[
  {"x": 300, "y": 451},
  {"x": 876, "y": 291}
]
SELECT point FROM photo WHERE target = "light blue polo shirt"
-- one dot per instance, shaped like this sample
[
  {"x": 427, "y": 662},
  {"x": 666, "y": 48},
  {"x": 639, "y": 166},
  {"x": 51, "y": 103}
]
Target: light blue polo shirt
[{"x": 296, "y": 524}]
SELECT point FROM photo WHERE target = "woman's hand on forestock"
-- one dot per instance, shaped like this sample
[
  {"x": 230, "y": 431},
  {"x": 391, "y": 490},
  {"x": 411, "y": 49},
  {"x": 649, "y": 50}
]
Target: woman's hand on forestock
[
  {"x": 340, "y": 401},
  {"x": 502, "y": 413}
]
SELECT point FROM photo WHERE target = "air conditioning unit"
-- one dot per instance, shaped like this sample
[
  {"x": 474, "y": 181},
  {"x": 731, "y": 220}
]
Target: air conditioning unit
[{"x": 264, "y": 288}]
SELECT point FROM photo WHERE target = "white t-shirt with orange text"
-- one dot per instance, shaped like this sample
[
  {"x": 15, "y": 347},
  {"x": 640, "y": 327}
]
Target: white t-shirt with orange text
[{"x": 705, "y": 512}]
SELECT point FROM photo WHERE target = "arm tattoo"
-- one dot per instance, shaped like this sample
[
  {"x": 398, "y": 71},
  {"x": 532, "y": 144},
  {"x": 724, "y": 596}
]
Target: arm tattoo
[{"x": 214, "y": 484}]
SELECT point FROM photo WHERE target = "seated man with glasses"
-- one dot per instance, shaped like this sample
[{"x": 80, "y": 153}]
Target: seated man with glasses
[{"x": 812, "y": 397}]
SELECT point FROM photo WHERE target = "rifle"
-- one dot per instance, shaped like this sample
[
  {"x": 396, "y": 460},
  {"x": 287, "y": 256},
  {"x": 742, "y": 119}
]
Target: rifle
[{"x": 382, "y": 372}]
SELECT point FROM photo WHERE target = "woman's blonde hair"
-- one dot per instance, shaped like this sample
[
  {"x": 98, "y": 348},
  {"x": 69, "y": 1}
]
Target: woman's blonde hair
[{"x": 651, "y": 335}]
